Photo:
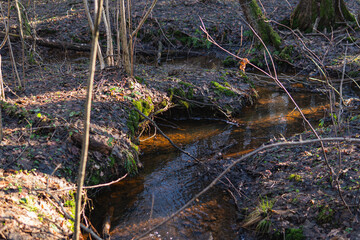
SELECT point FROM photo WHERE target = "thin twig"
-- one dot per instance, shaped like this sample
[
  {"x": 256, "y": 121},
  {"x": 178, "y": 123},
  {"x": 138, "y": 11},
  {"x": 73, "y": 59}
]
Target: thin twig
[
  {"x": 152, "y": 206},
  {"x": 86, "y": 187},
  {"x": 106, "y": 184}
]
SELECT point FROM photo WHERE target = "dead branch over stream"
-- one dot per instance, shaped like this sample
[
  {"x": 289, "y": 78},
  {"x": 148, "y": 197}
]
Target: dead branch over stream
[{"x": 162, "y": 133}]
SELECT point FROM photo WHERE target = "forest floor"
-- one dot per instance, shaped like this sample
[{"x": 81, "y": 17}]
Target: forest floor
[{"x": 43, "y": 121}]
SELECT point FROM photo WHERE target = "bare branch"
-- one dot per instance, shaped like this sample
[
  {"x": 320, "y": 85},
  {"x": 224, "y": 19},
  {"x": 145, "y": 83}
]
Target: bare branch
[{"x": 142, "y": 21}]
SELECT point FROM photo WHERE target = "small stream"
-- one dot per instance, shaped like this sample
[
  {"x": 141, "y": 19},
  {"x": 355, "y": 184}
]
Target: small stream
[{"x": 171, "y": 178}]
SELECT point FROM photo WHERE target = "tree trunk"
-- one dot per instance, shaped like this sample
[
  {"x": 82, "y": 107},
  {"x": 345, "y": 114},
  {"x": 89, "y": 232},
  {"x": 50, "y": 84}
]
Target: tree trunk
[
  {"x": 2, "y": 97},
  {"x": 85, "y": 142},
  {"x": 310, "y": 15},
  {"x": 91, "y": 25},
  {"x": 124, "y": 39},
  {"x": 257, "y": 21},
  {"x": 109, "y": 45}
]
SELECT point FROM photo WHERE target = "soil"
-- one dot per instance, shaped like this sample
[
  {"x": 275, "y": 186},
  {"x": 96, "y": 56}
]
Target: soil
[{"x": 43, "y": 120}]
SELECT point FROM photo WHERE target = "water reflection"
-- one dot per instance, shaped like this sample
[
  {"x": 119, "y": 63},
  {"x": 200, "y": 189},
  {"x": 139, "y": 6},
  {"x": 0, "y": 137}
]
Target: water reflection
[
  {"x": 171, "y": 178},
  {"x": 274, "y": 115}
]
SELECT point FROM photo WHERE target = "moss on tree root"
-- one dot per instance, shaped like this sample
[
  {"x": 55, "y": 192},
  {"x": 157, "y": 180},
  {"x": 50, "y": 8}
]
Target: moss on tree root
[
  {"x": 327, "y": 14},
  {"x": 145, "y": 106},
  {"x": 266, "y": 32}
]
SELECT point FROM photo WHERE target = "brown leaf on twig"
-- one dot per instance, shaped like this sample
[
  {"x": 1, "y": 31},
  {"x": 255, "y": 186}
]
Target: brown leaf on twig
[{"x": 243, "y": 63}]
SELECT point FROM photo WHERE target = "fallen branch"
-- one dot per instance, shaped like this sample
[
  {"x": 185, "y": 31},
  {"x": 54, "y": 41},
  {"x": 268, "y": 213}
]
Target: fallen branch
[
  {"x": 85, "y": 187},
  {"x": 264, "y": 147},
  {"x": 84, "y": 47},
  {"x": 162, "y": 133}
]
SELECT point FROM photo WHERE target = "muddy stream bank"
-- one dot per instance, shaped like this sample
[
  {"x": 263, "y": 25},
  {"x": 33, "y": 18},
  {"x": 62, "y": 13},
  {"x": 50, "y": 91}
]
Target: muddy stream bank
[{"x": 171, "y": 178}]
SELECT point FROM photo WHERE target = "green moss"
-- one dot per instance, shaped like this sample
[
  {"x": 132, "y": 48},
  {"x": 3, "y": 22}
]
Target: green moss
[
  {"x": 179, "y": 92},
  {"x": 189, "y": 85},
  {"x": 195, "y": 40},
  {"x": 294, "y": 234},
  {"x": 295, "y": 177},
  {"x": 326, "y": 215},
  {"x": 286, "y": 53},
  {"x": 185, "y": 91},
  {"x": 130, "y": 163},
  {"x": 184, "y": 104},
  {"x": 14, "y": 110},
  {"x": 222, "y": 90},
  {"x": 140, "y": 79},
  {"x": 190, "y": 94},
  {"x": 229, "y": 62},
  {"x": 329, "y": 16},
  {"x": 133, "y": 121},
  {"x": 164, "y": 103},
  {"x": 95, "y": 179},
  {"x": 112, "y": 161},
  {"x": 263, "y": 226},
  {"x": 345, "y": 12},
  {"x": 135, "y": 147},
  {"x": 148, "y": 106},
  {"x": 143, "y": 105},
  {"x": 267, "y": 33},
  {"x": 290, "y": 234}
]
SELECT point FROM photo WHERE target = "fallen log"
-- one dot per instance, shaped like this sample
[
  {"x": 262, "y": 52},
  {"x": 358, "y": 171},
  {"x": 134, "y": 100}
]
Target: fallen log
[
  {"x": 94, "y": 145},
  {"x": 84, "y": 47}
]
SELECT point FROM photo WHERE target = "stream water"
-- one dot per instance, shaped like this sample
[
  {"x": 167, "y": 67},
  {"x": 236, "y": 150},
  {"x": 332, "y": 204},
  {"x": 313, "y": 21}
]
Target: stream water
[{"x": 171, "y": 178}]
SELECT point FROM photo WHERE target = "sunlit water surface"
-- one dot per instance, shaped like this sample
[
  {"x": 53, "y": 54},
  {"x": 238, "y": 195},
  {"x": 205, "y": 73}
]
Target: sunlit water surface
[{"x": 171, "y": 178}]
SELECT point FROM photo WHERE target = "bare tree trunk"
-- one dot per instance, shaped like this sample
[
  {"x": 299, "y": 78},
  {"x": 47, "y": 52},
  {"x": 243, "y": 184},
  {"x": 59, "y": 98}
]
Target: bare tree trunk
[
  {"x": 1, "y": 126},
  {"x": 21, "y": 37},
  {"x": 124, "y": 39},
  {"x": 10, "y": 47},
  {"x": 109, "y": 46},
  {"x": 91, "y": 25},
  {"x": 14, "y": 63},
  {"x": 2, "y": 97},
  {"x": 118, "y": 51},
  {"x": 85, "y": 145},
  {"x": 258, "y": 22},
  {"x": 319, "y": 14},
  {"x": 2, "y": 90},
  {"x": 111, "y": 50}
]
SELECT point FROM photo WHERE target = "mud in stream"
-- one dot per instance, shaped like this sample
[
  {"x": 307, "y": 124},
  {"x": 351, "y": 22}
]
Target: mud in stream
[{"x": 171, "y": 178}]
